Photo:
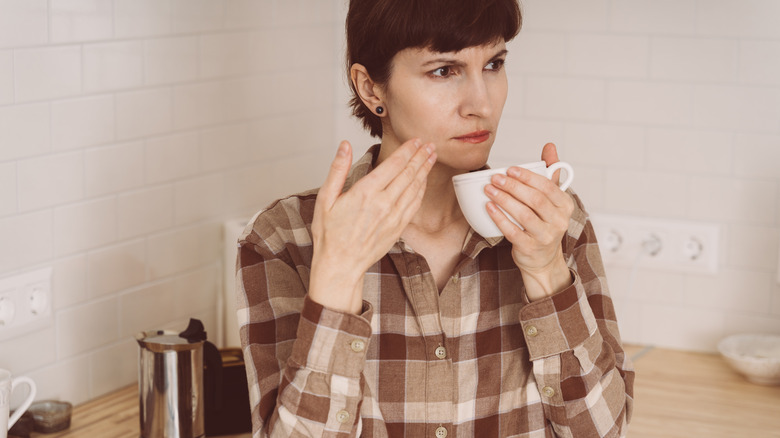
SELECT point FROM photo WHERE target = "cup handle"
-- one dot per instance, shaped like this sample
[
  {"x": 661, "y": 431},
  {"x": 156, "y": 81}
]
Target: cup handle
[
  {"x": 19, "y": 411},
  {"x": 569, "y": 173}
]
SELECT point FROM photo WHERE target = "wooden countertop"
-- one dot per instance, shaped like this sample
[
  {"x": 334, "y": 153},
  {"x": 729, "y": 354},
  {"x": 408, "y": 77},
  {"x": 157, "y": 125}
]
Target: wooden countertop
[
  {"x": 678, "y": 395},
  {"x": 112, "y": 416},
  {"x": 690, "y": 395}
]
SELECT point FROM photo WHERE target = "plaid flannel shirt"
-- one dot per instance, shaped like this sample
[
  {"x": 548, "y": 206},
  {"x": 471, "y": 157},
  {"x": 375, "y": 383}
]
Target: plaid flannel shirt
[{"x": 476, "y": 359}]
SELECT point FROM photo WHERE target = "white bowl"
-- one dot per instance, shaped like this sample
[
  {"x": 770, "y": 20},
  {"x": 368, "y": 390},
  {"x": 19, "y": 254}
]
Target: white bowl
[{"x": 757, "y": 356}]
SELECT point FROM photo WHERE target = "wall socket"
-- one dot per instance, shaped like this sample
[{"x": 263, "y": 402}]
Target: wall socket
[
  {"x": 25, "y": 303},
  {"x": 680, "y": 246}
]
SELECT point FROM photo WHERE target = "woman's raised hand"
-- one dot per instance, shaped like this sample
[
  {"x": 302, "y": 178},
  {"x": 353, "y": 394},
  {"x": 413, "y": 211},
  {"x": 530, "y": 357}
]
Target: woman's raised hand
[
  {"x": 544, "y": 212},
  {"x": 354, "y": 229}
]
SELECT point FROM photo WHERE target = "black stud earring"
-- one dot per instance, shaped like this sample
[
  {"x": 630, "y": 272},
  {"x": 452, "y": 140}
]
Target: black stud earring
[{"x": 379, "y": 110}]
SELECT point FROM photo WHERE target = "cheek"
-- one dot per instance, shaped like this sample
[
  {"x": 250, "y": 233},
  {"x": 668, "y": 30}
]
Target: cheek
[
  {"x": 422, "y": 111},
  {"x": 423, "y": 98},
  {"x": 501, "y": 90}
]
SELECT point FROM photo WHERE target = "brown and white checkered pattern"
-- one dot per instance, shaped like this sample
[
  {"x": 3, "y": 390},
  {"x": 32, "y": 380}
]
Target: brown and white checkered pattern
[{"x": 554, "y": 367}]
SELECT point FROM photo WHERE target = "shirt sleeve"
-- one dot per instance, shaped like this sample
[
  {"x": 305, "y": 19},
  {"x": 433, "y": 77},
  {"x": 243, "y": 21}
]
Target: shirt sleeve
[
  {"x": 584, "y": 378},
  {"x": 304, "y": 362}
]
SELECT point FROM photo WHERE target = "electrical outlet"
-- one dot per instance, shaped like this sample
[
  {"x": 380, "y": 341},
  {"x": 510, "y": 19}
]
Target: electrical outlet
[
  {"x": 681, "y": 246},
  {"x": 25, "y": 303}
]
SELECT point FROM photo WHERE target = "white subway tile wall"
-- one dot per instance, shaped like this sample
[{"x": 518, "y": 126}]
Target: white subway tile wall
[
  {"x": 129, "y": 131},
  {"x": 77, "y": 123},
  {"x": 25, "y": 130},
  {"x": 50, "y": 180},
  {"x": 80, "y": 20},
  {"x": 113, "y": 66},
  {"x": 6, "y": 77},
  {"x": 33, "y": 68},
  {"x": 69, "y": 280},
  {"x": 8, "y": 188}
]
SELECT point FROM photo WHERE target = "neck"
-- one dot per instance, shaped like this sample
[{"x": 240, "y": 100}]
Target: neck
[{"x": 439, "y": 208}]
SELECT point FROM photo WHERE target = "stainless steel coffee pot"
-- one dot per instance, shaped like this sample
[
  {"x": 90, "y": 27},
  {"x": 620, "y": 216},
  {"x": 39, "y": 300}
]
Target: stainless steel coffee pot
[{"x": 170, "y": 385}]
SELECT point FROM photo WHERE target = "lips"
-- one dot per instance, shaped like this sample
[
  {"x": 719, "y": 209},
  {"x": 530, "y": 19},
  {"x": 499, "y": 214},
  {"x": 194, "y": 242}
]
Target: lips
[{"x": 475, "y": 137}]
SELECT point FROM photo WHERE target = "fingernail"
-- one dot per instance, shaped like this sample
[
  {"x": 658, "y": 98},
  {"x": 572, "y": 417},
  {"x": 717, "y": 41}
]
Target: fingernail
[
  {"x": 491, "y": 190},
  {"x": 430, "y": 148},
  {"x": 499, "y": 179},
  {"x": 417, "y": 143},
  {"x": 342, "y": 151},
  {"x": 514, "y": 172},
  {"x": 432, "y": 158}
]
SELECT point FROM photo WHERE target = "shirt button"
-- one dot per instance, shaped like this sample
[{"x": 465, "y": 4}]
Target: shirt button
[
  {"x": 441, "y": 352},
  {"x": 441, "y": 432},
  {"x": 531, "y": 331},
  {"x": 548, "y": 392},
  {"x": 358, "y": 345},
  {"x": 342, "y": 416}
]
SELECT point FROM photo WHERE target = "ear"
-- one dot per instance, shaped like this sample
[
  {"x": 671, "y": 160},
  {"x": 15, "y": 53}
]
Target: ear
[{"x": 370, "y": 93}]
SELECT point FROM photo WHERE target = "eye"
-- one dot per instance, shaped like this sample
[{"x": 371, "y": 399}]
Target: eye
[
  {"x": 443, "y": 72},
  {"x": 495, "y": 65}
]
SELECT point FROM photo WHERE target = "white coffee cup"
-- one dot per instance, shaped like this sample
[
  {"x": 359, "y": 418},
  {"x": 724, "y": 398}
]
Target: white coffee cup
[
  {"x": 470, "y": 190},
  {"x": 7, "y": 386}
]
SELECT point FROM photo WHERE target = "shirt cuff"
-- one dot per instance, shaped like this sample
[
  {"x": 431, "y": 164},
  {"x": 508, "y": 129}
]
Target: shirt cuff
[
  {"x": 559, "y": 322},
  {"x": 330, "y": 341}
]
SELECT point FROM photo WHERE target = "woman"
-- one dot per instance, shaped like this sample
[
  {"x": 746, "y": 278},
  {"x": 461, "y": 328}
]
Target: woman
[{"x": 370, "y": 308}]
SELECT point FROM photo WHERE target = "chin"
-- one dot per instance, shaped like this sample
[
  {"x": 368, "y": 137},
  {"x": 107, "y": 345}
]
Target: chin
[
  {"x": 473, "y": 158},
  {"x": 464, "y": 163}
]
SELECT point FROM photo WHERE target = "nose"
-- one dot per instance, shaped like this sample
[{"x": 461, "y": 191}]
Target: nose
[{"x": 476, "y": 98}]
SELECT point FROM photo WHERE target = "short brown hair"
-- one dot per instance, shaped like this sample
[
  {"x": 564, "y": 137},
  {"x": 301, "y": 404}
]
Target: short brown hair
[{"x": 378, "y": 29}]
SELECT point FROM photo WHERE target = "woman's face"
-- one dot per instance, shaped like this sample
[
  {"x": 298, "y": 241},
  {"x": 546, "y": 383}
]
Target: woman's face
[{"x": 452, "y": 99}]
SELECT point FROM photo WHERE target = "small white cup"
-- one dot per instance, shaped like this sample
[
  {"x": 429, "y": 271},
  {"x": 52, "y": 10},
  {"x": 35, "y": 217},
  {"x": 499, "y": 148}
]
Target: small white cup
[
  {"x": 7, "y": 386},
  {"x": 470, "y": 190}
]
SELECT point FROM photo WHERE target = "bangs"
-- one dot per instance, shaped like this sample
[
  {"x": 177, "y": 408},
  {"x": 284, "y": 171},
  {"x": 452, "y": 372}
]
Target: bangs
[{"x": 447, "y": 25}]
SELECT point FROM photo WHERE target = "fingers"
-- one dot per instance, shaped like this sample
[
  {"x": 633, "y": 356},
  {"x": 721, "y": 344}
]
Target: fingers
[
  {"x": 387, "y": 171},
  {"x": 513, "y": 233},
  {"x": 532, "y": 200},
  {"x": 337, "y": 176},
  {"x": 414, "y": 173},
  {"x": 550, "y": 156},
  {"x": 519, "y": 211},
  {"x": 410, "y": 200},
  {"x": 527, "y": 183}
]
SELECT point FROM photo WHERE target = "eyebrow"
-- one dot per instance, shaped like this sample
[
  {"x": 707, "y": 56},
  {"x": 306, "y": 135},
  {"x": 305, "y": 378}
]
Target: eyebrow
[{"x": 453, "y": 61}]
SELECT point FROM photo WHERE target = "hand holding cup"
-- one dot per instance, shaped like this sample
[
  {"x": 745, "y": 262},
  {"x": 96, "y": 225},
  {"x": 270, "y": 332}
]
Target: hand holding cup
[{"x": 470, "y": 191}]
